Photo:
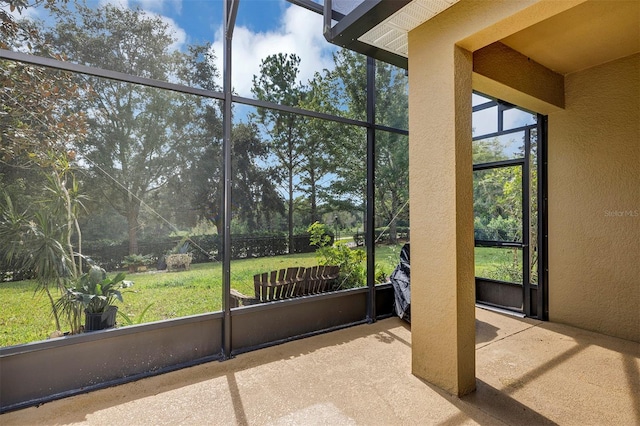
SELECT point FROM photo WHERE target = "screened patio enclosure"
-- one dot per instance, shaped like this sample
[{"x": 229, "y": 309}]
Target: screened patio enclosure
[
  {"x": 188, "y": 145},
  {"x": 509, "y": 223},
  {"x": 182, "y": 154},
  {"x": 162, "y": 150}
]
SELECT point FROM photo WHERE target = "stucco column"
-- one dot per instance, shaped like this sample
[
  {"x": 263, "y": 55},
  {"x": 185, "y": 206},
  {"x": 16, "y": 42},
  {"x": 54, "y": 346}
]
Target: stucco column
[{"x": 442, "y": 245}]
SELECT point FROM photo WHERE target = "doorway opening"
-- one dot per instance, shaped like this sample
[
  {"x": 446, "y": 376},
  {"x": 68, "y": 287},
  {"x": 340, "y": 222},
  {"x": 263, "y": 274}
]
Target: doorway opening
[{"x": 509, "y": 189}]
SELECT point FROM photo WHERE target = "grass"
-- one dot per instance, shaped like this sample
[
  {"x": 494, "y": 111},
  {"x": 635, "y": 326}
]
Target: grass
[
  {"x": 491, "y": 259},
  {"x": 26, "y": 316}
]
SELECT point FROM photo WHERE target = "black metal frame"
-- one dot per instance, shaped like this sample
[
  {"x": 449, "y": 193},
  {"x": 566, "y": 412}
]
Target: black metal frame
[
  {"x": 97, "y": 360},
  {"x": 543, "y": 220},
  {"x": 362, "y": 18},
  {"x": 201, "y": 338},
  {"x": 494, "y": 292},
  {"x": 229, "y": 16}
]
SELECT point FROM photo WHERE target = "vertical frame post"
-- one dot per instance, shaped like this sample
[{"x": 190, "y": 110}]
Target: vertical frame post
[
  {"x": 229, "y": 15},
  {"x": 371, "y": 186},
  {"x": 526, "y": 224},
  {"x": 543, "y": 223}
]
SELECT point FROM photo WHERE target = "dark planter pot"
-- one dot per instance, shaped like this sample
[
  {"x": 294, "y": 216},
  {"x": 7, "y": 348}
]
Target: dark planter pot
[{"x": 102, "y": 320}]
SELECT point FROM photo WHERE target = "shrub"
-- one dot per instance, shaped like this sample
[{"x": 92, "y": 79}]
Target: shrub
[
  {"x": 137, "y": 260},
  {"x": 319, "y": 235},
  {"x": 352, "y": 262}
]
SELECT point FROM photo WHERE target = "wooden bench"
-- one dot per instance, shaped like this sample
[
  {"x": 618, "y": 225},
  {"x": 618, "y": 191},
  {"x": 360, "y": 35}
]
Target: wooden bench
[{"x": 288, "y": 283}]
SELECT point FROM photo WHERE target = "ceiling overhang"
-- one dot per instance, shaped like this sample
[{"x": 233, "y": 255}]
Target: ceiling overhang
[
  {"x": 379, "y": 28},
  {"x": 364, "y": 17},
  {"x": 581, "y": 37}
]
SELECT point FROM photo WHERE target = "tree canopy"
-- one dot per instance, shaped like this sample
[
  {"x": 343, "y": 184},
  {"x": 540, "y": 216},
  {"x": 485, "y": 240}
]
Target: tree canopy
[{"x": 150, "y": 159}]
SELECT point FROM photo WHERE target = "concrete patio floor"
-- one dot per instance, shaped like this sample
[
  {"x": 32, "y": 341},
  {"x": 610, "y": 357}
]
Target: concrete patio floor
[{"x": 528, "y": 373}]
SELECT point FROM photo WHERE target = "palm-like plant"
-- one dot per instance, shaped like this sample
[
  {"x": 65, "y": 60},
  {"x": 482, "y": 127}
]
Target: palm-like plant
[
  {"x": 47, "y": 257},
  {"x": 66, "y": 201},
  {"x": 32, "y": 242},
  {"x": 38, "y": 239}
]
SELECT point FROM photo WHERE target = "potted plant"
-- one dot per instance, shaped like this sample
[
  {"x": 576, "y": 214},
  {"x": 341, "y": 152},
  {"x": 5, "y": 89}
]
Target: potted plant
[
  {"x": 137, "y": 262},
  {"x": 93, "y": 295}
]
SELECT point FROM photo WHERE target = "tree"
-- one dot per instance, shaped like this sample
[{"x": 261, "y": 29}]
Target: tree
[
  {"x": 392, "y": 180},
  {"x": 320, "y": 136},
  {"x": 139, "y": 135},
  {"x": 392, "y": 160},
  {"x": 254, "y": 196},
  {"x": 392, "y": 149},
  {"x": 39, "y": 123},
  {"x": 37, "y": 105},
  {"x": 495, "y": 214},
  {"x": 192, "y": 192},
  {"x": 278, "y": 83}
]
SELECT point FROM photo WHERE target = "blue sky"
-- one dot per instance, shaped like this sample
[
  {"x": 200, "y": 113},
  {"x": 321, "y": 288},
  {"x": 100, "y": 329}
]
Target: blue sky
[
  {"x": 263, "y": 27},
  {"x": 201, "y": 19}
]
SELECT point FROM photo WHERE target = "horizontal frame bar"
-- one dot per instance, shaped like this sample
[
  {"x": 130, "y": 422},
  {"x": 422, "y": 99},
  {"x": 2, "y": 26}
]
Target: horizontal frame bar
[
  {"x": 111, "y": 75},
  {"x": 484, "y": 106},
  {"x": 498, "y": 164},
  {"x": 159, "y": 84},
  {"x": 491, "y": 243},
  {"x": 185, "y": 341},
  {"x": 505, "y": 132},
  {"x": 295, "y": 110}
]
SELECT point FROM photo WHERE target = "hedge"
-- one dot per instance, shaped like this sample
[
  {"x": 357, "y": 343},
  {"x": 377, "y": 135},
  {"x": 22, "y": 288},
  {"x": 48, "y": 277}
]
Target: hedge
[{"x": 203, "y": 248}]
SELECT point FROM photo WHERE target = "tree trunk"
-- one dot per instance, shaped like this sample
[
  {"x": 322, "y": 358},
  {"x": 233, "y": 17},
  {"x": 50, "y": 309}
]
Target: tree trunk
[
  {"x": 313, "y": 196},
  {"x": 78, "y": 231},
  {"x": 393, "y": 232},
  {"x": 290, "y": 212},
  {"x": 393, "y": 228},
  {"x": 132, "y": 222}
]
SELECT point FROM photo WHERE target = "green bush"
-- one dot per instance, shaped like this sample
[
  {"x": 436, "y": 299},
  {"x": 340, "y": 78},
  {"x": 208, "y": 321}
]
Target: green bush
[
  {"x": 352, "y": 261},
  {"x": 319, "y": 234}
]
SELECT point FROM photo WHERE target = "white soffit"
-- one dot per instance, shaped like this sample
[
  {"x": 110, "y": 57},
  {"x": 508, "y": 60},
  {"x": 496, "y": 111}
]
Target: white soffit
[{"x": 391, "y": 34}]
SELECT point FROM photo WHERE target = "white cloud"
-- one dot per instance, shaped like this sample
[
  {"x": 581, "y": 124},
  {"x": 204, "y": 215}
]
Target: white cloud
[
  {"x": 179, "y": 34},
  {"x": 161, "y": 5},
  {"x": 299, "y": 32},
  {"x": 152, "y": 9}
]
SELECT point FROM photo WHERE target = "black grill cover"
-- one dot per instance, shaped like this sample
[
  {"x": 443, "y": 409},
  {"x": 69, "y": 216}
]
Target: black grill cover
[{"x": 400, "y": 279}]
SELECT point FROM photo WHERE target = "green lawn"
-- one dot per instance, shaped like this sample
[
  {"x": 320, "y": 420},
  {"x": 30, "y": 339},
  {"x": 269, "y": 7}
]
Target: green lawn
[
  {"x": 26, "y": 316},
  {"x": 491, "y": 259}
]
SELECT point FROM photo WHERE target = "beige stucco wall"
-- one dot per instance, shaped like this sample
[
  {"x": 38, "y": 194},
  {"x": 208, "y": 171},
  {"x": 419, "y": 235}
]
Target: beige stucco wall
[
  {"x": 594, "y": 201},
  {"x": 440, "y": 173},
  {"x": 594, "y": 169}
]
